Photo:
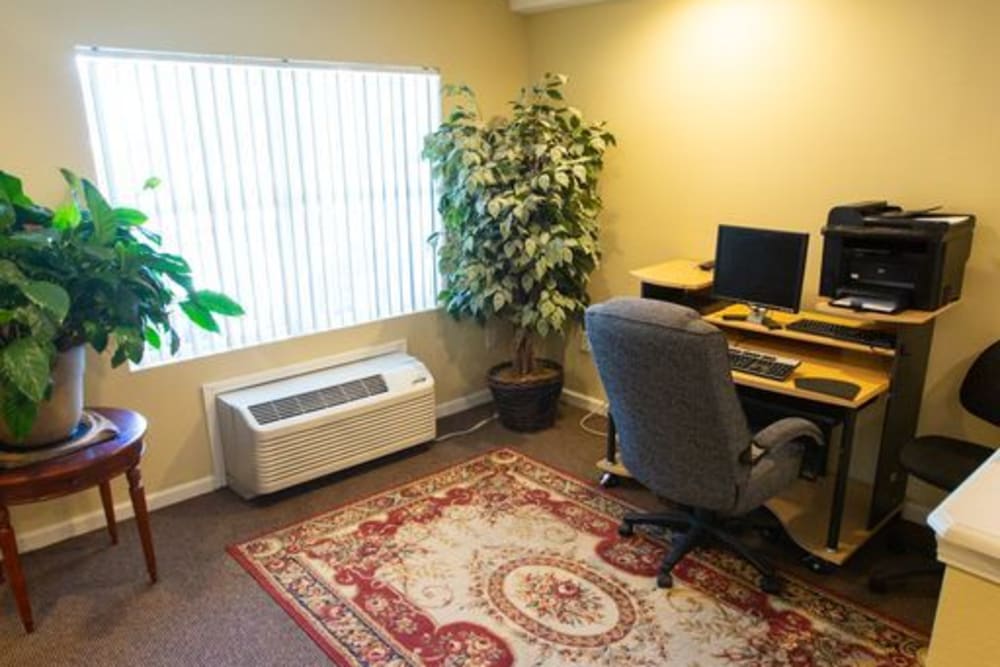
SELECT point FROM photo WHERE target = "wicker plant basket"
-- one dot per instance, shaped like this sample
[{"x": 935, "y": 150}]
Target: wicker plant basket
[{"x": 529, "y": 405}]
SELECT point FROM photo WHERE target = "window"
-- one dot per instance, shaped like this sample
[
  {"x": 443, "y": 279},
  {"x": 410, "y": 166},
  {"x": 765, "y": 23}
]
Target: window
[{"x": 297, "y": 188}]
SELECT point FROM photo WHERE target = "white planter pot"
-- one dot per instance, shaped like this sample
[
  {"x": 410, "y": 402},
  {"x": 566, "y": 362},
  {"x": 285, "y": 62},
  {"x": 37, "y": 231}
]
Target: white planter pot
[{"x": 60, "y": 415}]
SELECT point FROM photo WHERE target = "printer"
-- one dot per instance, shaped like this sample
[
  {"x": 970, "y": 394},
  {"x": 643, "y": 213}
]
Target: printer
[{"x": 879, "y": 257}]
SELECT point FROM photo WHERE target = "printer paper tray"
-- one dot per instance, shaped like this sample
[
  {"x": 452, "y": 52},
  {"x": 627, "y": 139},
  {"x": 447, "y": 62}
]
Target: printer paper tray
[{"x": 886, "y": 305}]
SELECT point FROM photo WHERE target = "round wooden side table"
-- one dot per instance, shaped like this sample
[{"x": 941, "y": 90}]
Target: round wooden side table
[{"x": 93, "y": 466}]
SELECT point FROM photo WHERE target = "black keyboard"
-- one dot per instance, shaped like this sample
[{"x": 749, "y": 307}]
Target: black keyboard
[
  {"x": 762, "y": 365},
  {"x": 871, "y": 337}
]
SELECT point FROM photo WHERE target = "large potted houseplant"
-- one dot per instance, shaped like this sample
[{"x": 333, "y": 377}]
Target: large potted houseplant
[
  {"x": 86, "y": 273},
  {"x": 519, "y": 204}
]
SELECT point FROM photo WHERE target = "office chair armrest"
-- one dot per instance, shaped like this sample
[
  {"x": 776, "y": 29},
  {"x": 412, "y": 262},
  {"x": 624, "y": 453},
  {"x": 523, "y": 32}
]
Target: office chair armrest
[
  {"x": 787, "y": 430},
  {"x": 782, "y": 432}
]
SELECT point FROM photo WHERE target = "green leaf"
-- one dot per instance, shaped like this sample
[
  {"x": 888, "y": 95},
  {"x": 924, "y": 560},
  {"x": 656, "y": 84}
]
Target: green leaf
[
  {"x": 200, "y": 316},
  {"x": 152, "y": 337},
  {"x": 8, "y": 216},
  {"x": 166, "y": 263},
  {"x": 130, "y": 217},
  {"x": 39, "y": 238},
  {"x": 10, "y": 274},
  {"x": 103, "y": 216},
  {"x": 152, "y": 237},
  {"x": 48, "y": 296},
  {"x": 75, "y": 186},
  {"x": 19, "y": 412},
  {"x": 131, "y": 343},
  {"x": 66, "y": 216},
  {"x": 11, "y": 186},
  {"x": 175, "y": 342},
  {"x": 71, "y": 179},
  {"x": 101, "y": 253},
  {"x": 26, "y": 364},
  {"x": 218, "y": 303},
  {"x": 151, "y": 183},
  {"x": 41, "y": 325},
  {"x": 97, "y": 336}
]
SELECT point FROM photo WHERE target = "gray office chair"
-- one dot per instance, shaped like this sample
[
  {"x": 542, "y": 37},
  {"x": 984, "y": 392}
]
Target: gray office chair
[{"x": 681, "y": 429}]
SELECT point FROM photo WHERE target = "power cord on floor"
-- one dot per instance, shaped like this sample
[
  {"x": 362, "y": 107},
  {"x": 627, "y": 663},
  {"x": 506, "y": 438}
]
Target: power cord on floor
[
  {"x": 472, "y": 429},
  {"x": 587, "y": 417}
]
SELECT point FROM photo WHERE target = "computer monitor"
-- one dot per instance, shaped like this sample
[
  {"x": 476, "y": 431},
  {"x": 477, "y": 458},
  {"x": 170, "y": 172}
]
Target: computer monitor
[{"x": 762, "y": 268}]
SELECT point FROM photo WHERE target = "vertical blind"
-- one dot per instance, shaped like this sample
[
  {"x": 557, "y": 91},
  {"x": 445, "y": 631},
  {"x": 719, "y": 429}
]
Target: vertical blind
[{"x": 296, "y": 188}]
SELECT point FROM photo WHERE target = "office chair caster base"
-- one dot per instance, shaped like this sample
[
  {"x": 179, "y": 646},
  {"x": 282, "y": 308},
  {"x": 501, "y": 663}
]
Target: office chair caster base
[
  {"x": 626, "y": 529},
  {"x": 664, "y": 580},
  {"x": 609, "y": 480},
  {"x": 818, "y": 565},
  {"x": 770, "y": 584}
]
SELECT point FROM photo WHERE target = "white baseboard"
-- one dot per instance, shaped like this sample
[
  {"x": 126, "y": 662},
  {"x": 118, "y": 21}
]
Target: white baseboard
[
  {"x": 463, "y": 403},
  {"x": 85, "y": 523},
  {"x": 584, "y": 402}
]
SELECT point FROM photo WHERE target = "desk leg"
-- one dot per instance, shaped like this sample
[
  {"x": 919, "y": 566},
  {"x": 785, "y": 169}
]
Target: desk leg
[
  {"x": 109, "y": 511},
  {"x": 12, "y": 563},
  {"x": 138, "y": 495},
  {"x": 840, "y": 484}
]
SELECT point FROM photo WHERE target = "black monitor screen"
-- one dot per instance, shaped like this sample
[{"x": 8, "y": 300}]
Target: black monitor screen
[{"x": 763, "y": 267}]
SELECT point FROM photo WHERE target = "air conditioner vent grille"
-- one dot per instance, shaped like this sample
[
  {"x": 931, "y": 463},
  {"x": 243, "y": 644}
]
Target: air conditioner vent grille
[{"x": 318, "y": 399}]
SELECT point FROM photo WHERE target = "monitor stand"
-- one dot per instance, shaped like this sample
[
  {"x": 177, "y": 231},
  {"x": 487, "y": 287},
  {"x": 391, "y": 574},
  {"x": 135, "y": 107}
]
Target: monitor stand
[{"x": 757, "y": 315}]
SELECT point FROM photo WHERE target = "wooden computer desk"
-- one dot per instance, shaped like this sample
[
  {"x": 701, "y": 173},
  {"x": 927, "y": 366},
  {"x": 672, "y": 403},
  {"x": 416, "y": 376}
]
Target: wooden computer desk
[{"x": 832, "y": 516}]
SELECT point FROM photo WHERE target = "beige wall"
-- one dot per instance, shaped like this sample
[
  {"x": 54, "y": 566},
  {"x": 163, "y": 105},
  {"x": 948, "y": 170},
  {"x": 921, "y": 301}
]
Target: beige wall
[
  {"x": 767, "y": 112},
  {"x": 763, "y": 112},
  {"x": 42, "y": 127}
]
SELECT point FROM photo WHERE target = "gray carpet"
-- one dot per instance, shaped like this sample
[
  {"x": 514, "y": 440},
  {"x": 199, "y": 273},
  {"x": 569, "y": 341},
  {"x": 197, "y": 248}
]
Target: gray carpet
[{"x": 93, "y": 606}]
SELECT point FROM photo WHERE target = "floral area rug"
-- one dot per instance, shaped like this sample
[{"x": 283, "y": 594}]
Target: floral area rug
[{"x": 502, "y": 560}]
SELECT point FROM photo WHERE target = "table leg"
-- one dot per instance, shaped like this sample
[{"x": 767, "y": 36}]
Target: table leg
[
  {"x": 138, "y": 495},
  {"x": 12, "y": 563},
  {"x": 109, "y": 511}
]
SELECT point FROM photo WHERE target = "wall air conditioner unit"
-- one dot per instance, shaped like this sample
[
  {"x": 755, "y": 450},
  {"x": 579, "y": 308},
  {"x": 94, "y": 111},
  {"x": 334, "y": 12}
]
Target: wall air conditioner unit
[{"x": 282, "y": 433}]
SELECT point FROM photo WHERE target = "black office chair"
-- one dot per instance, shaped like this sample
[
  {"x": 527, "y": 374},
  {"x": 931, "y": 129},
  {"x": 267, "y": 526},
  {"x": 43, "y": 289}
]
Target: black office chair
[{"x": 946, "y": 462}]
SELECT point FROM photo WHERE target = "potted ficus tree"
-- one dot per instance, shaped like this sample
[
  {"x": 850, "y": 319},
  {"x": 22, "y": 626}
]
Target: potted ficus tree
[
  {"x": 86, "y": 273},
  {"x": 519, "y": 204}
]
